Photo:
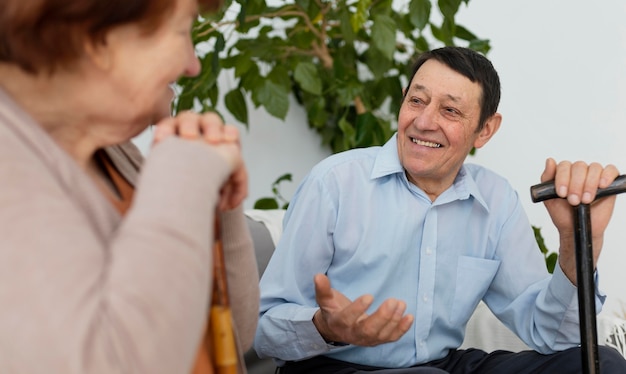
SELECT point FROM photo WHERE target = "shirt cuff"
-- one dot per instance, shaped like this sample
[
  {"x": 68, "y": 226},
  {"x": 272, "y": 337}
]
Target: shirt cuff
[{"x": 562, "y": 289}]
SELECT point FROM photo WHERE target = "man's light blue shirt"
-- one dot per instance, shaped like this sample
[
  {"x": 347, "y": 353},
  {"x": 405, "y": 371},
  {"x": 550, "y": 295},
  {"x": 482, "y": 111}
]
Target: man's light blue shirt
[{"x": 358, "y": 219}]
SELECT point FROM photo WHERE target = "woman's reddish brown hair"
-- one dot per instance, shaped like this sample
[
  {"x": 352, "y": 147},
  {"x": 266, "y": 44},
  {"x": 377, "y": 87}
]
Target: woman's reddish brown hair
[{"x": 44, "y": 35}]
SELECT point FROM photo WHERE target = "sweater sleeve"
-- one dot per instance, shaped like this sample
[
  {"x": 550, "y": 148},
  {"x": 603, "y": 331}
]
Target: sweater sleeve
[{"x": 243, "y": 277}]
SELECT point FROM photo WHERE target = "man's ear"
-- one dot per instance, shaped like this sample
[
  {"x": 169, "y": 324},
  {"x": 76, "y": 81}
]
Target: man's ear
[{"x": 491, "y": 127}]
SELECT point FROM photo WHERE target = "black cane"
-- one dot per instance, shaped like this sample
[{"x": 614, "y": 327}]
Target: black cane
[{"x": 584, "y": 267}]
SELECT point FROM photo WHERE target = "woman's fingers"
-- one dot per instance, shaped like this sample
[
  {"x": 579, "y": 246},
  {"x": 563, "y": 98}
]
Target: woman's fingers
[{"x": 194, "y": 126}]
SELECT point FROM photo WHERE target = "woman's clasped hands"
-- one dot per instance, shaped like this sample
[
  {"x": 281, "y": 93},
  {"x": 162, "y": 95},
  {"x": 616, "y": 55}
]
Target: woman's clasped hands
[{"x": 224, "y": 139}]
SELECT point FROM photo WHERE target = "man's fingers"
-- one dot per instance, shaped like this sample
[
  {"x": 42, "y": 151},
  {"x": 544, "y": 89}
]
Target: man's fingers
[
  {"x": 349, "y": 321},
  {"x": 389, "y": 322},
  {"x": 384, "y": 321},
  {"x": 562, "y": 178},
  {"x": 549, "y": 171},
  {"x": 591, "y": 183},
  {"x": 608, "y": 175},
  {"x": 400, "y": 328},
  {"x": 323, "y": 292}
]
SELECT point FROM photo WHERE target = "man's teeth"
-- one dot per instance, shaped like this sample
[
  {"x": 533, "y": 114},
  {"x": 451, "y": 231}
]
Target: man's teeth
[{"x": 426, "y": 144}]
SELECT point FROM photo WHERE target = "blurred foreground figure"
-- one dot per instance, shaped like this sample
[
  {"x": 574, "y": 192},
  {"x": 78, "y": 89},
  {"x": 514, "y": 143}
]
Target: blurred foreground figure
[{"x": 106, "y": 262}]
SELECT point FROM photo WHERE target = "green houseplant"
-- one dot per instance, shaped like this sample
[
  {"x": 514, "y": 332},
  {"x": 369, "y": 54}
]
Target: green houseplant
[{"x": 344, "y": 61}]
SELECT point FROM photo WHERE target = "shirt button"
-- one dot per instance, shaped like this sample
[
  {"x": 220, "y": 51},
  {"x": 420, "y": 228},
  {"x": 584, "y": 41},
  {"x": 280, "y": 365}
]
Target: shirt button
[
  {"x": 421, "y": 343},
  {"x": 429, "y": 251},
  {"x": 425, "y": 298}
]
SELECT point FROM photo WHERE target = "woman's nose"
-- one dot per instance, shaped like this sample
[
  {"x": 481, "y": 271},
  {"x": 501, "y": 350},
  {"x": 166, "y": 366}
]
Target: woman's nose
[{"x": 193, "y": 67}]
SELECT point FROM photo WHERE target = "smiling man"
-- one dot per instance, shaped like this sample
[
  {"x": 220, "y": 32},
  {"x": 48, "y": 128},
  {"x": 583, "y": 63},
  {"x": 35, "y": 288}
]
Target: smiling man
[{"x": 412, "y": 238}]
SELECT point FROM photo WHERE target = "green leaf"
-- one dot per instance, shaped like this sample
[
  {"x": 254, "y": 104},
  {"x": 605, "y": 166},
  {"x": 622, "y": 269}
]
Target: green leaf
[
  {"x": 280, "y": 75},
  {"x": 347, "y": 91},
  {"x": 463, "y": 33},
  {"x": 252, "y": 81},
  {"x": 421, "y": 44},
  {"x": 311, "y": 7},
  {"x": 220, "y": 43},
  {"x": 253, "y": 7},
  {"x": 344, "y": 65},
  {"x": 242, "y": 64},
  {"x": 445, "y": 33},
  {"x": 211, "y": 95},
  {"x": 346, "y": 127},
  {"x": 551, "y": 261},
  {"x": 367, "y": 130},
  {"x": 282, "y": 178},
  {"x": 550, "y": 257},
  {"x": 345, "y": 25},
  {"x": 449, "y": 8},
  {"x": 307, "y": 77},
  {"x": 236, "y": 105},
  {"x": 274, "y": 202},
  {"x": 201, "y": 30},
  {"x": 184, "y": 102},
  {"x": 419, "y": 13},
  {"x": 377, "y": 63},
  {"x": 377, "y": 93},
  {"x": 317, "y": 114},
  {"x": 360, "y": 16},
  {"x": 274, "y": 98},
  {"x": 539, "y": 240},
  {"x": 382, "y": 7},
  {"x": 266, "y": 203},
  {"x": 384, "y": 35},
  {"x": 480, "y": 45}
]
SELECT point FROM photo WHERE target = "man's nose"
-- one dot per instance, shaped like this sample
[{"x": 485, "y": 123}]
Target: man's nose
[{"x": 428, "y": 118}]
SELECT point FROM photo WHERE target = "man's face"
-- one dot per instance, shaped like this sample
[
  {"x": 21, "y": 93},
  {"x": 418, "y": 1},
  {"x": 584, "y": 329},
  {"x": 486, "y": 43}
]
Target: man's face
[{"x": 437, "y": 126}]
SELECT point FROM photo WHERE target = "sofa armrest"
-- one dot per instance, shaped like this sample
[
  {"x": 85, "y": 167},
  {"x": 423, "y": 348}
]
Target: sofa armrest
[{"x": 263, "y": 244}]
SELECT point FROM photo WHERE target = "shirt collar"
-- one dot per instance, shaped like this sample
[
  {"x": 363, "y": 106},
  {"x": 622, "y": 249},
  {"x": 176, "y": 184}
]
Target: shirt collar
[{"x": 387, "y": 163}]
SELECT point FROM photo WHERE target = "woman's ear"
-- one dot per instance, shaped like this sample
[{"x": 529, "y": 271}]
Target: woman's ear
[
  {"x": 491, "y": 127},
  {"x": 98, "y": 53}
]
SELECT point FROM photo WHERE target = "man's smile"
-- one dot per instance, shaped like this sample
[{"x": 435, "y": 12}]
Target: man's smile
[{"x": 426, "y": 143}]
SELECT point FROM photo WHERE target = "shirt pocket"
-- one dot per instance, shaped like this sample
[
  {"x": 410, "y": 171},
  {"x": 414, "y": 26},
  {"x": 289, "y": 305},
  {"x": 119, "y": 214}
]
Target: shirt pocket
[{"x": 473, "y": 278}]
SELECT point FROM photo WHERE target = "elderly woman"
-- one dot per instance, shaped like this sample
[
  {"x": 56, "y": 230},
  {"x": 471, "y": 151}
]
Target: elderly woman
[{"x": 105, "y": 269}]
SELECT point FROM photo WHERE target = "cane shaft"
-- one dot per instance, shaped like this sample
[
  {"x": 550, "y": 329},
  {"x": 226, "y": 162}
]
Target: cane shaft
[
  {"x": 225, "y": 355},
  {"x": 586, "y": 290}
]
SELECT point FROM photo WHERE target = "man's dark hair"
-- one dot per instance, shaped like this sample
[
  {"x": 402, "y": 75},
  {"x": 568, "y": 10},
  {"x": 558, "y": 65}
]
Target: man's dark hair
[{"x": 471, "y": 64}]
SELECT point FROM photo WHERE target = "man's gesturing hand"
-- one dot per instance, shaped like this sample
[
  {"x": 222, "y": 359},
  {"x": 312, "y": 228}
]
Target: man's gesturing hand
[{"x": 342, "y": 320}]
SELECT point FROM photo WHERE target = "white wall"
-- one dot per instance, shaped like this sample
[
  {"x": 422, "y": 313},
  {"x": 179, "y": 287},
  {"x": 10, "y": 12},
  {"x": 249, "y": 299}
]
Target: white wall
[{"x": 561, "y": 64}]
